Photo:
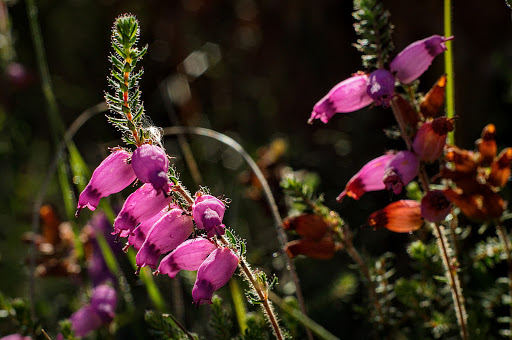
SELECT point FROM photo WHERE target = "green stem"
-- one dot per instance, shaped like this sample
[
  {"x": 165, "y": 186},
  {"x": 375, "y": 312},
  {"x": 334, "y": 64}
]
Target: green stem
[
  {"x": 238, "y": 302},
  {"x": 448, "y": 65}
]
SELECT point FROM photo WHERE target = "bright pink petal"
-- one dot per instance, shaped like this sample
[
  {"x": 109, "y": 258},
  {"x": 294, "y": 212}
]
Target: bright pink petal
[
  {"x": 214, "y": 273},
  {"x": 208, "y": 212},
  {"x": 416, "y": 58},
  {"x": 369, "y": 178},
  {"x": 188, "y": 256},
  {"x": 167, "y": 233},
  {"x": 348, "y": 96},
  {"x": 150, "y": 164},
  {"x": 401, "y": 170},
  {"x": 136, "y": 239},
  {"x": 141, "y": 205},
  {"x": 111, "y": 176}
]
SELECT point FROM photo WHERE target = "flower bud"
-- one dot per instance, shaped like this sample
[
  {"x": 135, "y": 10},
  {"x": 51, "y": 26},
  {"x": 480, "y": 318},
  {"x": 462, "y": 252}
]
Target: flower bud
[
  {"x": 381, "y": 87},
  {"x": 500, "y": 169},
  {"x": 435, "y": 206},
  {"x": 348, "y": 96},
  {"x": 187, "y": 256},
  {"x": 433, "y": 101},
  {"x": 150, "y": 164},
  {"x": 431, "y": 139},
  {"x": 167, "y": 233},
  {"x": 416, "y": 58},
  {"x": 401, "y": 217},
  {"x": 214, "y": 273},
  {"x": 111, "y": 176},
  {"x": 487, "y": 145},
  {"x": 208, "y": 212},
  {"x": 141, "y": 205}
]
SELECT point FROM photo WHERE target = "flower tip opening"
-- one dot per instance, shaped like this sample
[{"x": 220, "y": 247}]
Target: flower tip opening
[{"x": 341, "y": 196}]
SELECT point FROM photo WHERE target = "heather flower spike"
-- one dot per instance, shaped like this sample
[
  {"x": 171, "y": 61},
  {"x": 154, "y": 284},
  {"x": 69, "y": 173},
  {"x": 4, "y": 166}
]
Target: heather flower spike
[
  {"x": 150, "y": 164},
  {"x": 208, "y": 212},
  {"x": 361, "y": 90},
  {"x": 214, "y": 273},
  {"x": 187, "y": 256},
  {"x": 167, "y": 233},
  {"x": 141, "y": 205},
  {"x": 111, "y": 176},
  {"x": 401, "y": 217}
]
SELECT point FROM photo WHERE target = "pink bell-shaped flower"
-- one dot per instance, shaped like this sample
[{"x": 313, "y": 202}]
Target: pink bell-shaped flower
[
  {"x": 141, "y": 205},
  {"x": 167, "y": 233},
  {"x": 416, "y": 58},
  {"x": 208, "y": 212},
  {"x": 214, "y": 273},
  {"x": 348, "y": 96},
  {"x": 111, "y": 176},
  {"x": 369, "y": 178},
  {"x": 381, "y": 87},
  {"x": 150, "y": 164},
  {"x": 400, "y": 170},
  {"x": 100, "y": 311},
  {"x": 187, "y": 256},
  {"x": 138, "y": 236}
]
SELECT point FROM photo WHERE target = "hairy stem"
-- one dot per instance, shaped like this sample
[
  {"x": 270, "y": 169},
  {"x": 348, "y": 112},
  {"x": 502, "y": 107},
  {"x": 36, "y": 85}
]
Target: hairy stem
[{"x": 503, "y": 235}]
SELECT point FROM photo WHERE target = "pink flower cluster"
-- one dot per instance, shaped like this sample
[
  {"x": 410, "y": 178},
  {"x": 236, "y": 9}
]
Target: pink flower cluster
[{"x": 156, "y": 225}]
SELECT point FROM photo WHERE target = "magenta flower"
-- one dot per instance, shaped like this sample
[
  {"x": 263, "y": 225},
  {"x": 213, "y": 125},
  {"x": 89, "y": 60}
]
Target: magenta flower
[
  {"x": 99, "y": 311},
  {"x": 435, "y": 206},
  {"x": 137, "y": 237},
  {"x": 214, "y": 273},
  {"x": 400, "y": 170},
  {"x": 208, "y": 212},
  {"x": 141, "y": 205},
  {"x": 187, "y": 256},
  {"x": 111, "y": 176},
  {"x": 361, "y": 90},
  {"x": 167, "y": 233},
  {"x": 15, "y": 337},
  {"x": 150, "y": 164}
]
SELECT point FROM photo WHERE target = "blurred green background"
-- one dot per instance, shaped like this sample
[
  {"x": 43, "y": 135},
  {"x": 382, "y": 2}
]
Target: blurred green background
[{"x": 252, "y": 70}]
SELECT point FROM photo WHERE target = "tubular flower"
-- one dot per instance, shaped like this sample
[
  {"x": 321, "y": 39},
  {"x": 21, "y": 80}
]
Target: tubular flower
[
  {"x": 136, "y": 239},
  {"x": 150, "y": 164},
  {"x": 361, "y": 90},
  {"x": 401, "y": 217},
  {"x": 431, "y": 139},
  {"x": 214, "y": 273},
  {"x": 500, "y": 168},
  {"x": 390, "y": 171},
  {"x": 487, "y": 145},
  {"x": 111, "y": 176},
  {"x": 400, "y": 170},
  {"x": 187, "y": 256},
  {"x": 208, "y": 212},
  {"x": 141, "y": 205},
  {"x": 100, "y": 311},
  {"x": 435, "y": 206},
  {"x": 309, "y": 226},
  {"x": 165, "y": 235},
  {"x": 369, "y": 178}
]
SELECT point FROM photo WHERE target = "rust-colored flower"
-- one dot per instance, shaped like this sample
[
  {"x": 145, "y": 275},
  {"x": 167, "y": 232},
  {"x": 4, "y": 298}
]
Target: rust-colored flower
[{"x": 401, "y": 217}]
